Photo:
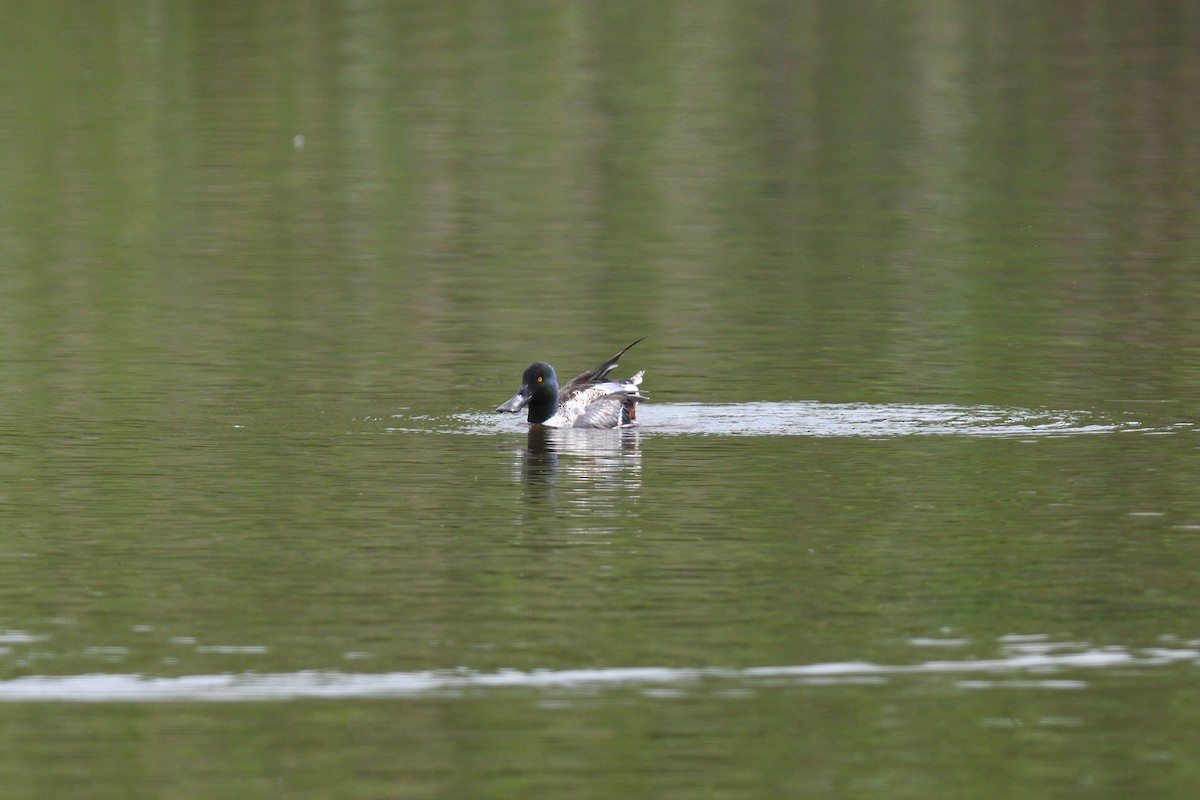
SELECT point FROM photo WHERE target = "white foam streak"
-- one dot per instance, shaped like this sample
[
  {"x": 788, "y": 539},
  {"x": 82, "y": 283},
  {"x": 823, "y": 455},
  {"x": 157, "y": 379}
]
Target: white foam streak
[{"x": 317, "y": 684}]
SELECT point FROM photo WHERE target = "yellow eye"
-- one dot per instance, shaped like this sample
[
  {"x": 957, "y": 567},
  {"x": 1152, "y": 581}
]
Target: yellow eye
[{"x": 539, "y": 378}]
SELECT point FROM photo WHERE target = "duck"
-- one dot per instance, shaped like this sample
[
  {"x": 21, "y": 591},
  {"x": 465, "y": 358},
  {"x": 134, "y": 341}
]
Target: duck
[{"x": 590, "y": 400}]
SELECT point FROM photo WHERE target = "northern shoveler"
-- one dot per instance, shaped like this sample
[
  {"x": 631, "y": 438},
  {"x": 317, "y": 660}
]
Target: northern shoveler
[{"x": 588, "y": 401}]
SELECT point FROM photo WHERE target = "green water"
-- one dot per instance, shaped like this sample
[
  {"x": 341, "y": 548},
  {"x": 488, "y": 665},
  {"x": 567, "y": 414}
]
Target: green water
[{"x": 264, "y": 271}]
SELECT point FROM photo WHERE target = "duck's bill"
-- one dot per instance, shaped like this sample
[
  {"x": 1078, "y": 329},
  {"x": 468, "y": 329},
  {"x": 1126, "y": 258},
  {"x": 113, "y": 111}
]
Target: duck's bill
[{"x": 516, "y": 402}]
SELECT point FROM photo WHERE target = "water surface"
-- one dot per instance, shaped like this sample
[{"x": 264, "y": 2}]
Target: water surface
[{"x": 912, "y": 512}]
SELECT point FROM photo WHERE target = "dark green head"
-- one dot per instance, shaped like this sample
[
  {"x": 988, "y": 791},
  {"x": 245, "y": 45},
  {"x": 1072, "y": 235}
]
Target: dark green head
[{"x": 539, "y": 391}]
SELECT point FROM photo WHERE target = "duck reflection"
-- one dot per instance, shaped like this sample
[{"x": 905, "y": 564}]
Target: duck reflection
[
  {"x": 539, "y": 462},
  {"x": 595, "y": 469}
]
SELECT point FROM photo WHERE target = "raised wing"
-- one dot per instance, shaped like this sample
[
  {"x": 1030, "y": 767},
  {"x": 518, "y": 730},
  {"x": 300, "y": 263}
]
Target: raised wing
[{"x": 592, "y": 376}]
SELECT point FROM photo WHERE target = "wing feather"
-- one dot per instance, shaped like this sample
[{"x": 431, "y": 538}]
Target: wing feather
[{"x": 592, "y": 376}]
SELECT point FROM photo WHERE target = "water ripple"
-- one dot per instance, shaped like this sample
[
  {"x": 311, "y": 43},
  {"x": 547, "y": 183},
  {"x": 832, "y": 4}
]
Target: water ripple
[
  {"x": 1022, "y": 669},
  {"x": 825, "y": 420}
]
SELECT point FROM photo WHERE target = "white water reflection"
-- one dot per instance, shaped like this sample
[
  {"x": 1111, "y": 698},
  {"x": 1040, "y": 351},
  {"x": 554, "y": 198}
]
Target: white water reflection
[
  {"x": 1022, "y": 669},
  {"x": 825, "y": 420}
]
